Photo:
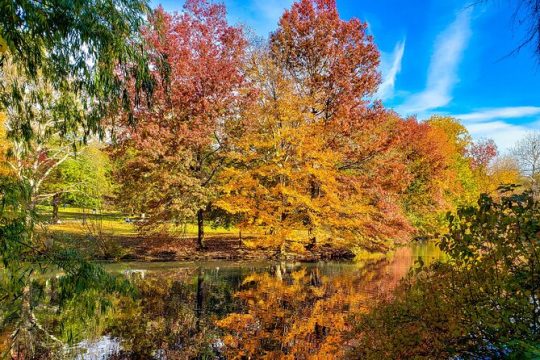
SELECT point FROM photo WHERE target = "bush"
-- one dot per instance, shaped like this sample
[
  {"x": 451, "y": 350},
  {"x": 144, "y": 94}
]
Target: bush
[{"x": 483, "y": 301}]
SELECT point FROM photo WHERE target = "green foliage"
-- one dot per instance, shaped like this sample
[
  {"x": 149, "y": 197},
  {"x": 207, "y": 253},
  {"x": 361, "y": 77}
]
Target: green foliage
[
  {"x": 80, "y": 304},
  {"x": 25, "y": 254},
  {"x": 82, "y": 180},
  {"x": 64, "y": 65},
  {"x": 45, "y": 38}
]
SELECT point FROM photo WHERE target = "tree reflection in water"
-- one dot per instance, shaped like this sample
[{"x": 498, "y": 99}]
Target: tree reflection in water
[
  {"x": 275, "y": 311},
  {"x": 300, "y": 313}
]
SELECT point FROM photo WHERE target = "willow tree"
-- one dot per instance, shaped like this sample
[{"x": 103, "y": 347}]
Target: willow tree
[
  {"x": 85, "y": 47},
  {"x": 84, "y": 52}
]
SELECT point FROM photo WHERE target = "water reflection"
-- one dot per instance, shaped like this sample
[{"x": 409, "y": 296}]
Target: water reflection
[
  {"x": 220, "y": 310},
  {"x": 102, "y": 348}
]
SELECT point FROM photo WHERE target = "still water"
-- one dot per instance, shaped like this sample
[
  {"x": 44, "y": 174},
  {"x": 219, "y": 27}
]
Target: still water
[{"x": 226, "y": 310}]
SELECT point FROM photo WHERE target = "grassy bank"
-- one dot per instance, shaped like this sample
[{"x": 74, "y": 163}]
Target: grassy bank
[{"x": 113, "y": 235}]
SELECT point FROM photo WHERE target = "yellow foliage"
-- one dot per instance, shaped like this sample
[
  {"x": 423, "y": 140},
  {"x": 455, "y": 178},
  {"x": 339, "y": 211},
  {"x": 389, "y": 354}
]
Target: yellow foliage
[
  {"x": 296, "y": 315},
  {"x": 286, "y": 181},
  {"x": 503, "y": 170},
  {"x": 3, "y": 45},
  {"x": 5, "y": 145}
]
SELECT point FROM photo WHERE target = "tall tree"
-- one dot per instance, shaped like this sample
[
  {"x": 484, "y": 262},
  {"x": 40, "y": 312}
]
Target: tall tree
[
  {"x": 428, "y": 156},
  {"x": 488, "y": 171},
  {"x": 280, "y": 167},
  {"x": 459, "y": 185},
  {"x": 319, "y": 157},
  {"x": 503, "y": 170},
  {"x": 333, "y": 64},
  {"x": 482, "y": 152},
  {"x": 176, "y": 150},
  {"x": 82, "y": 52}
]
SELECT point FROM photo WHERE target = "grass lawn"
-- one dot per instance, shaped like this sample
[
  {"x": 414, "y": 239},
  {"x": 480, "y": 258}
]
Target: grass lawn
[{"x": 112, "y": 223}]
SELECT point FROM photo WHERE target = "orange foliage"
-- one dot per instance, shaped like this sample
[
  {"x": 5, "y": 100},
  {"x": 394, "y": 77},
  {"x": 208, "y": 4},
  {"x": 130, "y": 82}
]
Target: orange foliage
[
  {"x": 286, "y": 142},
  {"x": 314, "y": 158},
  {"x": 301, "y": 315}
]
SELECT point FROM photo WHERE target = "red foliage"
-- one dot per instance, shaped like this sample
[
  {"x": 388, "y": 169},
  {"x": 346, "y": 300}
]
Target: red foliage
[
  {"x": 333, "y": 60},
  {"x": 196, "y": 59},
  {"x": 482, "y": 152}
]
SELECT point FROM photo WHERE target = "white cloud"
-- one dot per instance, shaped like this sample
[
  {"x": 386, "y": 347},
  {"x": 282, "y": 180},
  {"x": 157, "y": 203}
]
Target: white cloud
[
  {"x": 489, "y": 123},
  {"x": 501, "y": 113},
  {"x": 390, "y": 68},
  {"x": 504, "y": 134},
  {"x": 442, "y": 74}
]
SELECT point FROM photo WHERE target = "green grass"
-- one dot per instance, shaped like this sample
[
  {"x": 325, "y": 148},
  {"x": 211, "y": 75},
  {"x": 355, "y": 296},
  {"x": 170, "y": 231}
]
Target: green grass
[{"x": 113, "y": 223}]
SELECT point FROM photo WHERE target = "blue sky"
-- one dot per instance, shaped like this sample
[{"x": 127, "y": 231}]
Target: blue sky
[{"x": 438, "y": 57}]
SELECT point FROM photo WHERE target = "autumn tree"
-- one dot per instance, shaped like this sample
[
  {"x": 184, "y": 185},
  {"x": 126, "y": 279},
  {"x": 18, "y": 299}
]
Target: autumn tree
[
  {"x": 279, "y": 165},
  {"x": 490, "y": 171},
  {"x": 170, "y": 160},
  {"x": 428, "y": 157},
  {"x": 460, "y": 186},
  {"x": 333, "y": 64},
  {"x": 319, "y": 157},
  {"x": 446, "y": 169},
  {"x": 503, "y": 170},
  {"x": 482, "y": 152}
]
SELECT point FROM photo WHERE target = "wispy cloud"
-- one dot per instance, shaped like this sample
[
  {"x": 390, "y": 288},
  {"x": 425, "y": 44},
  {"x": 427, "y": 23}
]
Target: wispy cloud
[
  {"x": 443, "y": 69},
  {"x": 504, "y": 134},
  {"x": 390, "y": 68},
  {"x": 490, "y": 123},
  {"x": 501, "y": 113}
]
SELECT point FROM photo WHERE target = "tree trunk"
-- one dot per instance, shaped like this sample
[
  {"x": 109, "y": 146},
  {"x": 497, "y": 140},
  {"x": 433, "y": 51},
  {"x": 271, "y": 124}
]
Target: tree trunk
[
  {"x": 200, "y": 229},
  {"x": 312, "y": 240},
  {"x": 279, "y": 274},
  {"x": 240, "y": 238},
  {"x": 55, "y": 204}
]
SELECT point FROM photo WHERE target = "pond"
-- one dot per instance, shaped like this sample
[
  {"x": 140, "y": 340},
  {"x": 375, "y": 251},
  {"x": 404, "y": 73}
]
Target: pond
[{"x": 222, "y": 310}]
